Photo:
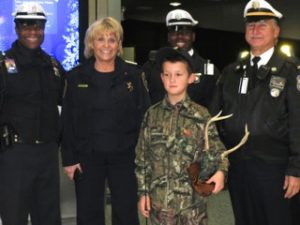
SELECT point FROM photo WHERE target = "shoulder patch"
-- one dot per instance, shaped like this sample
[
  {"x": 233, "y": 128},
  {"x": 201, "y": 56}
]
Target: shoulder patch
[{"x": 55, "y": 66}]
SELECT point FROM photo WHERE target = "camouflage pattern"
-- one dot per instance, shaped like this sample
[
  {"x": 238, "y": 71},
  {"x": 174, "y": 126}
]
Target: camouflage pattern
[{"x": 171, "y": 138}]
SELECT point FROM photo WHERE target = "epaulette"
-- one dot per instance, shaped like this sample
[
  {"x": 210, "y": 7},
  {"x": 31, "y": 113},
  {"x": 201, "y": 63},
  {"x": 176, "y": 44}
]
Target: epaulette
[
  {"x": 2, "y": 56},
  {"x": 294, "y": 60},
  {"x": 131, "y": 62}
]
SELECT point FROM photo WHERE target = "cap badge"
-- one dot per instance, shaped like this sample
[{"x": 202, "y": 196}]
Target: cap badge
[
  {"x": 255, "y": 5},
  {"x": 178, "y": 16}
]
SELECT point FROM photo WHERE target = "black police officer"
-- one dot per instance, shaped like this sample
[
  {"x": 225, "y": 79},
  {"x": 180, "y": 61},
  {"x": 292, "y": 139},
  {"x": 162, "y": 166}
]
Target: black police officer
[
  {"x": 102, "y": 111},
  {"x": 31, "y": 89},
  {"x": 181, "y": 35},
  {"x": 263, "y": 91}
]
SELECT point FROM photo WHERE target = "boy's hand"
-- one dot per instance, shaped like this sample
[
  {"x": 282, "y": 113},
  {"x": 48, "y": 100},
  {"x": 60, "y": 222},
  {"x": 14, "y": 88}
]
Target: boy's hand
[
  {"x": 144, "y": 205},
  {"x": 218, "y": 179}
]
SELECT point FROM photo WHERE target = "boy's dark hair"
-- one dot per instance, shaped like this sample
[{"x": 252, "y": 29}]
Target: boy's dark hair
[
  {"x": 173, "y": 55},
  {"x": 177, "y": 58}
]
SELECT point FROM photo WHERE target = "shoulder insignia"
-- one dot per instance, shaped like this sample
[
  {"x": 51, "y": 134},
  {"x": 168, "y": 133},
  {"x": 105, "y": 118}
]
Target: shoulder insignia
[
  {"x": 131, "y": 62},
  {"x": 10, "y": 65},
  {"x": 144, "y": 80}
]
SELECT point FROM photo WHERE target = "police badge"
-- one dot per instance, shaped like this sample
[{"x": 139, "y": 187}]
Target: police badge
[{"x": 277, "y": 84}]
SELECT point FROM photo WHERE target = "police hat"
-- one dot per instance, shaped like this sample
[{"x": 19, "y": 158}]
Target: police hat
[
  {"x": 178, "y": 18},
  {"x": 256, "y": 10},
  {"x": 30, "y": 11},
  {"x": 168, "y": 53}
]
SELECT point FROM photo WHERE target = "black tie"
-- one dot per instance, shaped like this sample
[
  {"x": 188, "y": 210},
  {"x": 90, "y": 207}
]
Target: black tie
[{"x": 255, "y": 60}]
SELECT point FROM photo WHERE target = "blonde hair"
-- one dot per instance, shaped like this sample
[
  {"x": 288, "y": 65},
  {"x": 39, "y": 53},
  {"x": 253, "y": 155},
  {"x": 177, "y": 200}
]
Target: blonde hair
[{"x": 107, "y": 24}]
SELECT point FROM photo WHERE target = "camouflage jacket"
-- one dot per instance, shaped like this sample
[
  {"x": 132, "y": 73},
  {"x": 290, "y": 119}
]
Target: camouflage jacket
[{"x": 171, "y": 138}]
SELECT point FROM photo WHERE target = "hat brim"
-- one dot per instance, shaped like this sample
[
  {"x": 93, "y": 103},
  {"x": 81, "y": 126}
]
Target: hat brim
[
  {"x": 168, "y": 53},
  {"x": 258, "y": 18}
]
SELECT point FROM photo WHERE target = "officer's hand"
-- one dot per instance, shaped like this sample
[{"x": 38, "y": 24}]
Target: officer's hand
[
  {"x": 69, "y": 170},
  {"x": 218, "y": 179},
  {"x": 291, "y": 185},
  {"x": 144, "y": 205}
]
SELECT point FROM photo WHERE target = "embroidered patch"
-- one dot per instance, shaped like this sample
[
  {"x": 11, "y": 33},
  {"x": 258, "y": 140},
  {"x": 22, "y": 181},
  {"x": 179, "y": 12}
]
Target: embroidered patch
[{"x": 10, "y": 65}]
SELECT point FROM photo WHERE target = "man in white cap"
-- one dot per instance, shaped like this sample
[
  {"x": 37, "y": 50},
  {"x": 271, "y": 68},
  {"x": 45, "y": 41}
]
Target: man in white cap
[
  {"x": 263, "y": 91},
  {"x": 181, "y": 35},
  {"x": 31, "y": 88}
]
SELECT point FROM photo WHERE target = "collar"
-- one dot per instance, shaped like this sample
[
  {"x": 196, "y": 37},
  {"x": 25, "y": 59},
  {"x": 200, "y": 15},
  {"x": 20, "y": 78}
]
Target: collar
[
  {"x": 191, "y": 52},
  {"x": 264, "y": 58},
  {"x": 183, "y": 104}
]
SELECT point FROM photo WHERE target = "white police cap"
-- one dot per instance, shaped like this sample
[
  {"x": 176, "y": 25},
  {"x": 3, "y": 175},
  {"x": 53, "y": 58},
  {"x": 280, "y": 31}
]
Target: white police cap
[
  {"x": 256, "y": 9},
  {"x": 30, "y": 11},
  {"x": 180, "y": 17}
]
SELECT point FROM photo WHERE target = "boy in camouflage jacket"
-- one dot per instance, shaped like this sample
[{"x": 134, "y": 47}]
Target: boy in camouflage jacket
[{"x": 171, "y": 138}]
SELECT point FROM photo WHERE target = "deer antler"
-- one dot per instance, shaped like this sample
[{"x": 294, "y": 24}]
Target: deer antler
[
  {"x": 213, "y": 119},
  {"x": 243, "y": 141}
]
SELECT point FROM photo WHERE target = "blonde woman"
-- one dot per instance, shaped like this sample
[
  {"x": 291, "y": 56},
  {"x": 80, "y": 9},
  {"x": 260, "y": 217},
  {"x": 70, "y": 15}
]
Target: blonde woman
[{"x": 103, "y": 107}]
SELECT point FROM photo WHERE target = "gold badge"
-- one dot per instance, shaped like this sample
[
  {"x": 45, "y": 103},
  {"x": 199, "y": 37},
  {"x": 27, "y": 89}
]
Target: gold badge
[{"x": 129, "y": 86}]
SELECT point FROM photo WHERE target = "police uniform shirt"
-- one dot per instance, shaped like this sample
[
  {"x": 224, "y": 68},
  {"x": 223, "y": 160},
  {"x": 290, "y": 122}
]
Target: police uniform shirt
[{"x": 104, "y": 121}]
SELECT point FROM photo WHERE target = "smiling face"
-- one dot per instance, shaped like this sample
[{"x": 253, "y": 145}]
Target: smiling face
[
  {"x": 262, "y": 35},
  {"x": 105, "y": 47},
  {"x": 30, "y": 35},
  {"x": 182, "y": 38},
  {"x": 176, "y": 78}
]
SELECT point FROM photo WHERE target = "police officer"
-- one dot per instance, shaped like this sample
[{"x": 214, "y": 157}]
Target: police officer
[
  {"x": 181, "y": 35},
  {"x": 31, "y": 88},
  {"x": 102, "y": 111},
  {"x": 262, "y": 90}
]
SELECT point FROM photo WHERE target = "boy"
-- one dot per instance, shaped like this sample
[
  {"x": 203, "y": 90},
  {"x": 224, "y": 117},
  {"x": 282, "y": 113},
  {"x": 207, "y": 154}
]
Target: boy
[{"x": 171, "y": 137}]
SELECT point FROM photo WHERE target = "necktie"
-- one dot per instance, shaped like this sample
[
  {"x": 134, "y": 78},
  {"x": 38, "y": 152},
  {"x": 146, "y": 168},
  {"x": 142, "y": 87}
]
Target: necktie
[{"x": 255, "y": 60}]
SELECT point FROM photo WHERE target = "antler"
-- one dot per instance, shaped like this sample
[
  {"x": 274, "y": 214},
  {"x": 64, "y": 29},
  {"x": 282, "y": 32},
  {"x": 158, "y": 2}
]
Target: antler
[
  {"x": 243, "y": 141},
  {"x": 213, "y": 119}
]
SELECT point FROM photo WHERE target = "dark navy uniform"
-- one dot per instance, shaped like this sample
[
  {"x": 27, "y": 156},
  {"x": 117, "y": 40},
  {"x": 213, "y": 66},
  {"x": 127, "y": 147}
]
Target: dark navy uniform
[
  {"x": 271, "y": 108},
  {"x": 201, "y": 91},
  {"x": 102, "y": 113},
  {"x": 31, "y": 90}
]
